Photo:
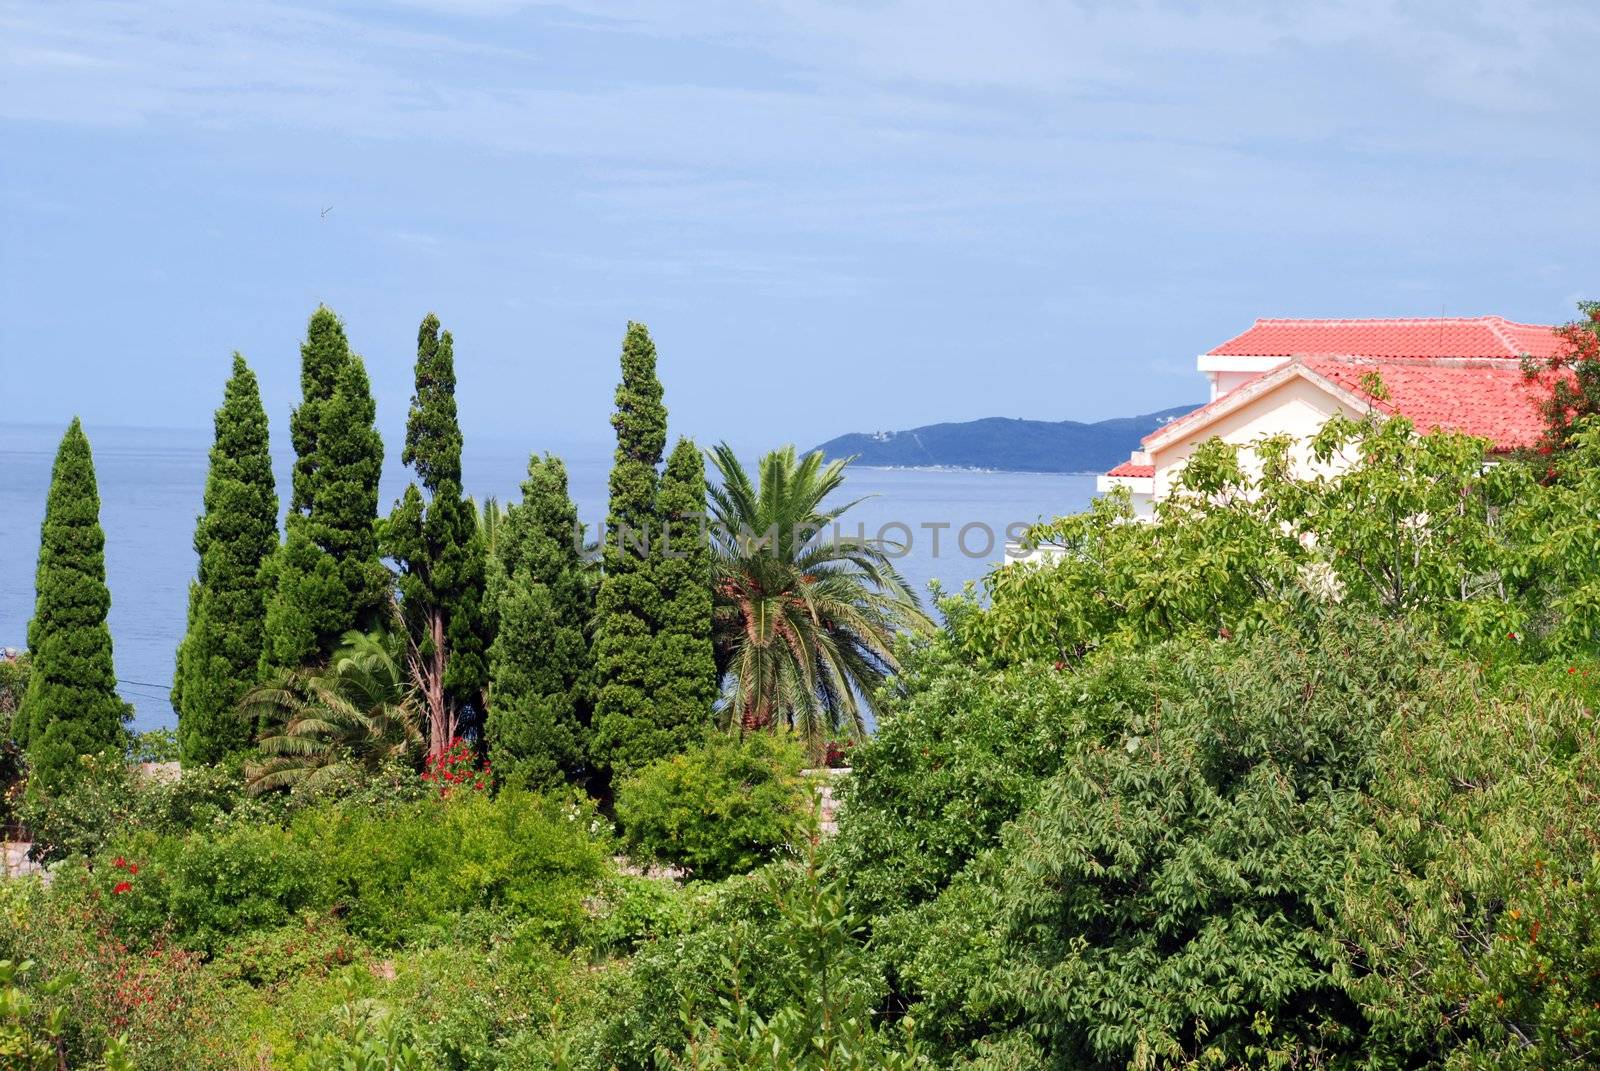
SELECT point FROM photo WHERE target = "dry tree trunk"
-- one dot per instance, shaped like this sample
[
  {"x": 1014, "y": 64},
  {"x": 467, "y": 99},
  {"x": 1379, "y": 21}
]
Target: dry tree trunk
[{"x": 427, "y": 674}]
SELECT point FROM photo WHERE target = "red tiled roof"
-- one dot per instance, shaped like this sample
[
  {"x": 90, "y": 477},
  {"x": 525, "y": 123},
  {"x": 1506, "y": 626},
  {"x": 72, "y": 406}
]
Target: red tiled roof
[
  {"x": 1488, "y": 399},
  {"x": 1128, "y": 468},
  {"x": 1480, "y": 336}
]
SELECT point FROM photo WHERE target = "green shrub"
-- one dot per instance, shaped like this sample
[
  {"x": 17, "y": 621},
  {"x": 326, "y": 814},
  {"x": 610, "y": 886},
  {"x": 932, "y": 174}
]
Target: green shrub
[
  {"x": 86, "y": 812},
  {"x": 204, "y": 888},
  {"x": 723, "y": 807},
  {"x": 397, "y": 873},
  {"x": 633, "y": 910},
  {"x": 313, "y": 947},
  {"x": 752, "y": 943},
  {"x": 13, "y": 781},
  {"x": 363, "y": 1035},
  {"x": 107, "y": 995}
]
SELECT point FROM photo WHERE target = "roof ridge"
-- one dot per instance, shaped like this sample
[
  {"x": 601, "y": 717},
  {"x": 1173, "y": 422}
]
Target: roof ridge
[
  {"x": 1262, "y": 320},
  {"x": 1497, "y": 327}
]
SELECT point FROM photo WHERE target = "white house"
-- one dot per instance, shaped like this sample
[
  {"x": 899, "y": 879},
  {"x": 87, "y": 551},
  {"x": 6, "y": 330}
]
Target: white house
[{"x": 1290, "y": 376}]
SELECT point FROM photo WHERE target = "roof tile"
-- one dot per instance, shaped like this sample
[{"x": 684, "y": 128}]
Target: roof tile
[
  {"x": 1492, "y": 400},
  {"x": 1480, "y": 336}
]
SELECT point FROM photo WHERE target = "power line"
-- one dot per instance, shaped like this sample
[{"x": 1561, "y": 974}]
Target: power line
[{"x": 146, "y": 684}]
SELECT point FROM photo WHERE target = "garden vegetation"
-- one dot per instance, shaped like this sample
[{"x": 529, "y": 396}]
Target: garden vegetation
[{"x": 1299, "y": 774}]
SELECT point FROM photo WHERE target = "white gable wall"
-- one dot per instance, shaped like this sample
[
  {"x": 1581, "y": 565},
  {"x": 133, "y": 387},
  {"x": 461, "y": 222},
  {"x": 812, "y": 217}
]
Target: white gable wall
[{"x": 1295, "y": 407}]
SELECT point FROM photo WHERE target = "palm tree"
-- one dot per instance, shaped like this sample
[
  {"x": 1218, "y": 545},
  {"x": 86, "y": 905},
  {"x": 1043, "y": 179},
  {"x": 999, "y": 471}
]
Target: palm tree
[
  {"x": 490, "y": 518},
  {"x": 804, "y": 621},
  {"x": 327, "y": 723}
]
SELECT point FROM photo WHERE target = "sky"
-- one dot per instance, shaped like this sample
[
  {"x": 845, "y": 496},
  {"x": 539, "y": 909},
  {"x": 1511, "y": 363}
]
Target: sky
[{"x": 832, "y": 216}]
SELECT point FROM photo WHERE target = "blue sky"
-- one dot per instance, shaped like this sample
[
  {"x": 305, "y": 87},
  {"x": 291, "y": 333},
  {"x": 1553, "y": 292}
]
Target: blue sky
[{"x": 833, "y": 216}]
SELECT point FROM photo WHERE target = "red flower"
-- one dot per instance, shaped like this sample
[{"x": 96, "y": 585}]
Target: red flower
[
  {"x": 119, "y": 862},
  {"x": 133, "y": 868},
  {"x": 1572, "y": 669},
  {"x": 122, "y": 887}
]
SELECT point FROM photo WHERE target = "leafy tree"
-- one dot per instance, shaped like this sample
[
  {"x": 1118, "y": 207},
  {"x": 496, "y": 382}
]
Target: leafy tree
[
  {"x": 220, "y": 656},
  {"x": 432, "y": 535},
  {"x": 805, "y": 620},
  {"x": 71, "y": 707},
  {"x": 1166, "y": 899},
  {"x": 1418, "y": 528},
  {"x": 1574, "y": 376},
  {"x": 960, "y": 750},
  {"x": 322, "y": 724},
  {"x": 1552, "y": 559},
  {"x": 681, "y": 567},
  {"x": 1471, "y": 908},
  {"x": 542, "y": 598},
  {"x": 327, "y": 578},
  {"x": 627, "y": 730}
]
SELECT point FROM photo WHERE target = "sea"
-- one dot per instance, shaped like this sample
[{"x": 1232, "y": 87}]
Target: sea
[{"x": 944, "y": 525}]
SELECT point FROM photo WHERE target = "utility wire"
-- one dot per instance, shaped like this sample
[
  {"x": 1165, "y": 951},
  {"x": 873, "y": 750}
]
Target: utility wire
[{"x": 146, "y": 684}]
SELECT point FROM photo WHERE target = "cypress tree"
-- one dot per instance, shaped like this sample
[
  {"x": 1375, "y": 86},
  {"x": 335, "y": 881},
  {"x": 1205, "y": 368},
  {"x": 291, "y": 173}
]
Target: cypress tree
[
  {"x": 71, "y": 707},
  {"x": 327, "y": 577},
  {"x": 543, "y": 600},
  {"x": 220, "y": 655},
  {"x": 626, "y": 733},
  {"x": 686, "y": 663},
  {"x": 433, "y": 538}
]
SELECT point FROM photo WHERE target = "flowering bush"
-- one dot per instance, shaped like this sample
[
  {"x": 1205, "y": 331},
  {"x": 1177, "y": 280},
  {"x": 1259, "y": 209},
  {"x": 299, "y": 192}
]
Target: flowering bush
[
  {"x": 147, "y": 999},
  {"x": 457, "y": 771},
  {"x": 837, "y": 754}
]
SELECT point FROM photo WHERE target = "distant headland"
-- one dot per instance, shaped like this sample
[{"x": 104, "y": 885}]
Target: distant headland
[{"x": 1004, "y": 444}]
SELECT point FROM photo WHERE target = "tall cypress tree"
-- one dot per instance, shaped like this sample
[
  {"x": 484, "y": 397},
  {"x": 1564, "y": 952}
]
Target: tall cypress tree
[
  {"x": 432, "y": 535},
  {"x": 71, "y": 707},
  {"x": 327, "y": 577},
  {"x": 686, "y": 663},
  {"x": 626, "y": 733},
  {"x": 220, "y": 655},
  {"x": 543, "y": 599}
]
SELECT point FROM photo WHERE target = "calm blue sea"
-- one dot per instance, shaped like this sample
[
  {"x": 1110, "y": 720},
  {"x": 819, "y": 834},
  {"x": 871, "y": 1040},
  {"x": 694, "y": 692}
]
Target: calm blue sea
[{"x": 152, "y": 479}]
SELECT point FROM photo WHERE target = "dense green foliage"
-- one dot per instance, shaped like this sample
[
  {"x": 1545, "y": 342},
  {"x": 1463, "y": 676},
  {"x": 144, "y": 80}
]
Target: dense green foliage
[
  {"x": 805, "y": 617},
  {"x": 723, "y": 807},
  {"x": 685, "y": 683},
  {"x": 71, "y": 707},
  {"x": 220, "y": 656},
  {"x": 432, "y": 535},
  {"x": 634, "y": 722},
  {"x": 541, "y": 595},
  {"x": 327, "y": 578}
]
